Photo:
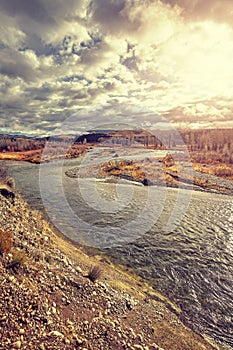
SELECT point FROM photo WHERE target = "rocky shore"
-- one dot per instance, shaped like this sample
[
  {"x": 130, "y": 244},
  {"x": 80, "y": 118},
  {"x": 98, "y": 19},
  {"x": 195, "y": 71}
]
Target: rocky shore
[{"x": 51, "y": 298}]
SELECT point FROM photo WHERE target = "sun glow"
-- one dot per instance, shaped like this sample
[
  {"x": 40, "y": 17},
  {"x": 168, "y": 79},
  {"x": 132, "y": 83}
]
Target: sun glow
[{"x": 201, "y": 58}]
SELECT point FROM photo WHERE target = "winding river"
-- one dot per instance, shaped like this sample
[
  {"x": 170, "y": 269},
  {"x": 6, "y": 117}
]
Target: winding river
[{"x": 192, "y": 264}]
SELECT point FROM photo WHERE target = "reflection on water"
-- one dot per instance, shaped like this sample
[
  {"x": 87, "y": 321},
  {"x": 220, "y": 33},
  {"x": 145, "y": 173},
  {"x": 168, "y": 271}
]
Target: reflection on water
[{"x": 192, "y": 265}]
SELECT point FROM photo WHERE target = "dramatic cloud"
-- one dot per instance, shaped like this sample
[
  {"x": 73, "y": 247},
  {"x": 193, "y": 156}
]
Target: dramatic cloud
[
  {"x": 221, "y": 11},
  {"x": 170, "y": 58}
]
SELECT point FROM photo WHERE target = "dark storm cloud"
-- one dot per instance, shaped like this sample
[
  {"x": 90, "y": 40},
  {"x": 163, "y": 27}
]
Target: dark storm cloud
[
  {"x": 112, "y": 15},
  {"x": 93, "y": 52},
  {"x": 41, "y": 21},
  {"x": 61, "y": 9},
  {"x": 15, "y": 64},
  {"x": 33, "y": 9},
  {"x": 42, "y": 11}
]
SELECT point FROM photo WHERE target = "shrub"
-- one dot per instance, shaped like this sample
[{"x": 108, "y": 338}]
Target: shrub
[
  {"x": 10, "y": 182},
  {"x": 9, "y": 195},
  {"x": 18, "y": 259},
  {"x": 94, "y": 273},
  {"x": 6, "y": 242},
  {"x": 4, "y": 178}
]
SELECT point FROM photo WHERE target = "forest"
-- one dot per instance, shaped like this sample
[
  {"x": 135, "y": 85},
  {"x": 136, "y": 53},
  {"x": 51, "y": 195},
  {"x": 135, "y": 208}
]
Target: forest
[{"x": 212, "y": 146}]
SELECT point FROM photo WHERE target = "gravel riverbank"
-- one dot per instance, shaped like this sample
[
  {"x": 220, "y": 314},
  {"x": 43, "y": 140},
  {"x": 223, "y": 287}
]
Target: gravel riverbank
[{"x": 48, "y": 302}]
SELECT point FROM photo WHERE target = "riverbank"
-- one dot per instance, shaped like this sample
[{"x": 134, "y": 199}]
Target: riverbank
[
  {"x": 151, "y": 169},
  {"x": 157, "y": 173},
  {"x": 47, "y": 301},
  {"x": 37, "y": 156}
]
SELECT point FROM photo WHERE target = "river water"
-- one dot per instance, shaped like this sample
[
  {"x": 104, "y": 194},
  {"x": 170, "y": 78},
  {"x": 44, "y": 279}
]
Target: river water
[{"x": 192, "y": 264}]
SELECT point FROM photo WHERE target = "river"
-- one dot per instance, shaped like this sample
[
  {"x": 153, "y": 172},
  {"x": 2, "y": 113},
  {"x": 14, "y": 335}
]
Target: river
[{"x": 192, "y": 264}]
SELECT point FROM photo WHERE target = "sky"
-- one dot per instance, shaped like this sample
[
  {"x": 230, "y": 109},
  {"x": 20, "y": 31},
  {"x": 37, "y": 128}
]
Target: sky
[{"x": 134, "y": 61}]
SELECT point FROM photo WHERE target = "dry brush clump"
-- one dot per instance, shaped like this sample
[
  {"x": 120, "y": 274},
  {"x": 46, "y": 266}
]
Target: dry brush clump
[
  {"x": 7, "y": 183},
  {"x": 6, "y": 242},
  {"x": 19, "y": 258},
  {"x": 10, "y": 182},
  {"x": 94, "y": 273}
]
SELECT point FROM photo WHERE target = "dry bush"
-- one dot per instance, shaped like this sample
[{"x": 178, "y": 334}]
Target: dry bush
[
  {"x": 94, "y": 273},
  {"x": 4, "y": 177},
  {"x": 223, "y": 171},
  {"x": 6, "y": 242},
  {"x": 18, "y": 259},
  {"x": 10, "y": 182}
]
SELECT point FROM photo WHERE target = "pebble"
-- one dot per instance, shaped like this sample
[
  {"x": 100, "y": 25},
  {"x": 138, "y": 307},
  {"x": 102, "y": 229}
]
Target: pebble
[
  {"x": 17, "y": 344},
  {"x": 130, "y": 304},
  {"x": 79, "y": 341},
  {"x": 69, "y": 322},
  {"x": 78, "y": 269},
  {"x": 56, "y": 334},
  {"x": 140, "y": 338},
  {"x": 156, "y": 347}
]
